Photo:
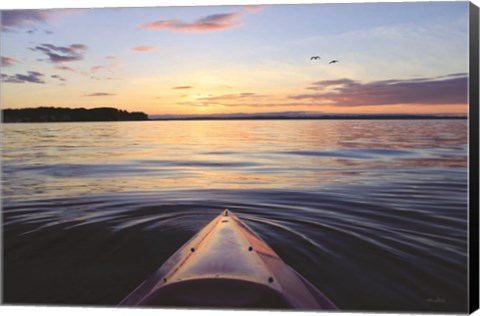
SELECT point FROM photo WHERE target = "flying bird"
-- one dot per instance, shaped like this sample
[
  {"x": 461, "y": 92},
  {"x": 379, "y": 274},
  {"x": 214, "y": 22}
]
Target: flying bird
[
  {"x": 314, "y": 57},
  {"x": 333, "y": 61}
]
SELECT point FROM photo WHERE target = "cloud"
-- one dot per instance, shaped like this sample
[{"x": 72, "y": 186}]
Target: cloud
[
  {"x": 9, "y": 61},
  {"x": 331, "y": 83},
  {"x": 32, "y": 31},
  {"x": 450, "y": 89},
  {"x": 182, "y": 87},
  {"x": 227, "y": 97},
  {"x": 95, "y": 69},
  {"x": 65, "y": 68},
  {"x": 111, "y": 57},
  {"x": 231, "y": 100},
  {"x": 243, "y": 104},
  {"x": 107, "y": 72},
  {"x": 15, "y": 19},
  {"x": 210, "y": 23},
  {"x": 31, "y": 77},
  {"x": 254, "y": 8},
  {"x": 58, "y": 77},
  {"x": 61, "y": 54},
  {"x": 104, "y": 78},
  {"x": 99, "y": 94},
  {"x": 143, "y": 49},
  {"x": 440, "y": 90}
]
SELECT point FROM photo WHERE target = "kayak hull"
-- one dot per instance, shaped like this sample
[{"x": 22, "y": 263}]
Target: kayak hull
[{"x": 227, "y": 265}]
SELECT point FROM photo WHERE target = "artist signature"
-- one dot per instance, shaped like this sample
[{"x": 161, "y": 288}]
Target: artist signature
[{"x": 435, "y": 300}]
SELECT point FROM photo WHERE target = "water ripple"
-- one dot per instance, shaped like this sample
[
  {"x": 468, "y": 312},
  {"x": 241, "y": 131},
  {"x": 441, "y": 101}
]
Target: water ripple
[{"x": 372, "y": 213}]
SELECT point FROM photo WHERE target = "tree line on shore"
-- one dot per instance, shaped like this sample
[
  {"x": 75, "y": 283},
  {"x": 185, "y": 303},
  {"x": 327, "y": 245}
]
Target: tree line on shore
[{"x": 54, "y": 114}]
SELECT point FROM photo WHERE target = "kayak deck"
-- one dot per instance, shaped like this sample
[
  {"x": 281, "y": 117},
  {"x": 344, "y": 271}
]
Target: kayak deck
[{"x": 227, "y": 265}]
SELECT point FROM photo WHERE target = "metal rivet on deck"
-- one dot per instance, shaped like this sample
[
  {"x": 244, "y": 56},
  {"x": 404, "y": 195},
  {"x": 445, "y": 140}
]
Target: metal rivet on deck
[
  {"x": 193, "y": 249},
  {"x": 270, "y": 280},
  {"x": 250, "y": 248}
]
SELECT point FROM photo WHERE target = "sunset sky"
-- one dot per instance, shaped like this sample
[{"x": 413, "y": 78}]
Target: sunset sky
[{"x": 393, "y": 58}]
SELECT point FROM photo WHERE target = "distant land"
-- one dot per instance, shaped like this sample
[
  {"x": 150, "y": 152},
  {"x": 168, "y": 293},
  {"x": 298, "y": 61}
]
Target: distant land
[
  {"x": 53, "y": 114},
  {"x": 306, "y": 116},
  {"x": 57, "y": 114}
]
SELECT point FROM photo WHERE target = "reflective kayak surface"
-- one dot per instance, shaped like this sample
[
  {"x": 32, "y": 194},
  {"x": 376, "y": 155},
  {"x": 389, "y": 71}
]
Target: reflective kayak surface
[{"x": 227, "y": 265}]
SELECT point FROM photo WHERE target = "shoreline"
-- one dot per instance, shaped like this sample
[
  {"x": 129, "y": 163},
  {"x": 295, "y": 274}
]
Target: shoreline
[{"x": 260, "y": 119}]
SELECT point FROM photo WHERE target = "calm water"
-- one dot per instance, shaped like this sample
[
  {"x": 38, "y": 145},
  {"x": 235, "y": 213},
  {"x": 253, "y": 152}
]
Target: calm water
[{"x": 374, "y": 213}]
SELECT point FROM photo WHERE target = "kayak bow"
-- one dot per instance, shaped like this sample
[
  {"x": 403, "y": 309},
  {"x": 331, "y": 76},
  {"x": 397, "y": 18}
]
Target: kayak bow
[{"x": 227, "y": 265}]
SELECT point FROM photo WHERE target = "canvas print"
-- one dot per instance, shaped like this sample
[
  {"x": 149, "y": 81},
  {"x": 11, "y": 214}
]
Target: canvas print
[{"x": 280, "y": 157}]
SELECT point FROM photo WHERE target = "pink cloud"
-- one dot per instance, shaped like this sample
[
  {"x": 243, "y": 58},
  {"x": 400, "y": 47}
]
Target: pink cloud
[
  {"x": 143, "y": 49},
  {"x": 254, "y": 8},
  {"x": 215, "y": 22},
  {"x": 450, "y": 89},
  {"x": 9, "y": 61}
]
